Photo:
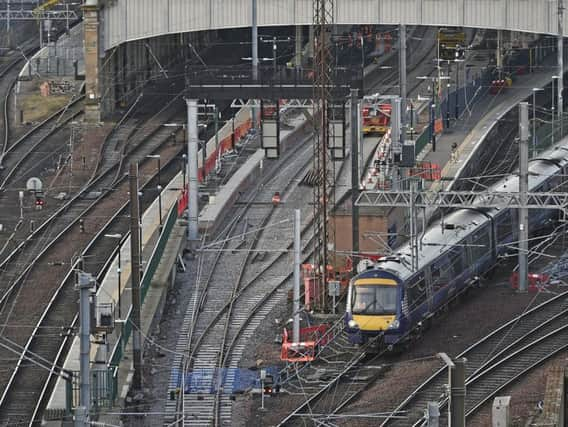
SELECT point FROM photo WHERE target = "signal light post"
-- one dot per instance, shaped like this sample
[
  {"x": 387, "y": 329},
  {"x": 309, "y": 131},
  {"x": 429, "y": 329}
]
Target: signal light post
[{"x": 433, "y": 79}]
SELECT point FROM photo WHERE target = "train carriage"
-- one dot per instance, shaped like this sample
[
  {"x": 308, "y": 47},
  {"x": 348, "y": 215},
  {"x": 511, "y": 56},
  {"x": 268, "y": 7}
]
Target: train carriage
[{"x": 391, "y": 302}]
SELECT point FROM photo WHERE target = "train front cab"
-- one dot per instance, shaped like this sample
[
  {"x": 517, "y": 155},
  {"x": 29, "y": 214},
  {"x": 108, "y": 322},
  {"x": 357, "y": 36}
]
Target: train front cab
[{"x": 373, "y": 307}]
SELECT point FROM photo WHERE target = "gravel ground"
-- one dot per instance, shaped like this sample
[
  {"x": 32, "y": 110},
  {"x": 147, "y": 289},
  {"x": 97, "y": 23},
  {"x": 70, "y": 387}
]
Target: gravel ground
[
  {"x": 157, "y": 361},
  {"x": 525, "y": 396},
  {"x": 489, "y": 306}
]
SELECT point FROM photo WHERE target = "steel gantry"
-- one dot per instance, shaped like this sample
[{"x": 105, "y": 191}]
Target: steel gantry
[
  {"x": 324, "y": 194},
  {"x": 462, "y": 199},
  {"x": 32, "y": 15}
]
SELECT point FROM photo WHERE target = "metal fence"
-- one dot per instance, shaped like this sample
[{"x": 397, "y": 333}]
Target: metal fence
[{"x": 109, "y": 388}]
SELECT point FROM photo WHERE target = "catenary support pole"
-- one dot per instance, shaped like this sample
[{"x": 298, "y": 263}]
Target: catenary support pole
[
  {"x": 457, "y": 391},
  {"x": 396, "y": 136},
  {"x": 297, "y": 255},
  {"x": 433, "y": 116},
  {"x": 135, "y": 276},
  {"x": 216, "y": 121},
  {"x": 402, "y": 77},
  {"x": 355, "y": 177},
  {"x": 553, "y": 111},
  {"x": 457, "y": 106},
  {"x": 433, "y": 414},
  {"x": 192, "y": 140},
  {"x": 560, "y": 64},
  {"x": 85, "y": 283},
  {"x": 413, "y": 260},
  {"x": 360, "y": 139},
  {"x": 254, "y": 55},
  {"x": 81, "y": 417},
  {"x": 8, "y": 34},
  {"x": 523, "y": 189},
  {"x": 254, "y": 41},
  {"x": 534, "y": 124}
]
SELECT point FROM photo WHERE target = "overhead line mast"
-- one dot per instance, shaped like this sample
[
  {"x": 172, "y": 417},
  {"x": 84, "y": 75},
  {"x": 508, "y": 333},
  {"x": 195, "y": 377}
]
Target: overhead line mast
[{"x": 324, "y": 191}]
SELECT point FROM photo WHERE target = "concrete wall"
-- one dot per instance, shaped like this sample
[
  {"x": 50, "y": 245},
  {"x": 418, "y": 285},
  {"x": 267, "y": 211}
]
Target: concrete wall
[{"x": 372, "y": 224}]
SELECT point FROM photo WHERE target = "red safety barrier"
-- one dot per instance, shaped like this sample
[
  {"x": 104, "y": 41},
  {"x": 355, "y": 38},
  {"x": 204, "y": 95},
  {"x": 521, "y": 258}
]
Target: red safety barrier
[
  {"x": 305, "y": 350},
  {"x": 388, "y": 42},
  {"x": 438, "y": 126},
  {"x": 182, "y": 202},
  {"x": 536, "y": 281}
]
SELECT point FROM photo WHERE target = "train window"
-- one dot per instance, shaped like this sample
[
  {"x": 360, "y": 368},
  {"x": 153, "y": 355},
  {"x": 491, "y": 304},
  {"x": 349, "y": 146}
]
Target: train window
[
  {"x": 480, "y": 244},
  {"x": 456, "y": 259},
  {"x": 416, "y": 291},
  {"x": 440, "y": 272},
  {"x": 375, "y": 299}
]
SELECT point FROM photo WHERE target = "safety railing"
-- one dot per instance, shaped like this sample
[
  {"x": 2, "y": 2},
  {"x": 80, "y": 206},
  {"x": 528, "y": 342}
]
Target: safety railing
[{"x": 126, "y": 328}]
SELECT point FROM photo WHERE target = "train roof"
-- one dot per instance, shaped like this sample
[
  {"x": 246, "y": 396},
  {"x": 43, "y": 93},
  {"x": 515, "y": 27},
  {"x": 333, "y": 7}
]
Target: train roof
[{"x": 438, "y": 238}]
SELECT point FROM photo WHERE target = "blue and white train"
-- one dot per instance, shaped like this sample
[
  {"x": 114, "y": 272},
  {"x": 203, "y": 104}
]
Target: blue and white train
[{"x": 392, "y": 302}]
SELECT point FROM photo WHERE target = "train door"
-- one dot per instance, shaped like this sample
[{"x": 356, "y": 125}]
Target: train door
[
  {"x": 429, "y": 293},
  {"x": 480, "y": 250}
]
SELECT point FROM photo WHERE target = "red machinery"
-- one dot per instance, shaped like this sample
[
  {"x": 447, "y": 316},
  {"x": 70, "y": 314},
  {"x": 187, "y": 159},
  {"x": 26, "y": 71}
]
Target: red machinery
[
  {"x": 376, "y": 114},
  {"x": 537, "y": 281},
  {"x": 305, "y": 350}
]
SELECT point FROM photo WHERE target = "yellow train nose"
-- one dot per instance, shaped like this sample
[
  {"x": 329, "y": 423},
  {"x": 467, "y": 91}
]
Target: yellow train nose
[{"x": 373, "y": 323}]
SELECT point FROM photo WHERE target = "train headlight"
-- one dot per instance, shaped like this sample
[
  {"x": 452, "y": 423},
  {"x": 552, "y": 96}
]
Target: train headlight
[
  {"x": 352, "y": 324},
  {"x": 395, "y": 324}
]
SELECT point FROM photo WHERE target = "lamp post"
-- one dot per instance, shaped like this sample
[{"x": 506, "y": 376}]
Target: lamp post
[
  {"x": 183, "y": 169},
  {"x": 118, "y": 236},
  {"x": 159, "y": 188},
  {"x": 156, "y": 156},
  {"x": 457, "y": 106},
  {"x": 433, "y": 79},
  {"x": 262, "y": 379},
  {"x": 534, "y": 91},
  {"x": 140, "y": 235},
  {"x": 553, "y": 109}
]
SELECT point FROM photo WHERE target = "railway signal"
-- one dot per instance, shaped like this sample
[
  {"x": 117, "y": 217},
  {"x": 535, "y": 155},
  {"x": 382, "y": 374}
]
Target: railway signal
[{"x": 39, "y": 203}]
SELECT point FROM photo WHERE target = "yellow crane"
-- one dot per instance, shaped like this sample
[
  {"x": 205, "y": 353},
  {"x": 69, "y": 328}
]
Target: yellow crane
[{"x": 44, "y": 6}]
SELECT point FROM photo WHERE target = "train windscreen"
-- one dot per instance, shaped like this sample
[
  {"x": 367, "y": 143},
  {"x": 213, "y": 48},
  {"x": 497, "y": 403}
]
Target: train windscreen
[{"x": 374, "y": 300}]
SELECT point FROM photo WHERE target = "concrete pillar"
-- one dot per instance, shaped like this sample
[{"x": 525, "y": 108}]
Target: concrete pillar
[
  {"x": 92, "y": 84},
  {"x": 299, "y": 45}
]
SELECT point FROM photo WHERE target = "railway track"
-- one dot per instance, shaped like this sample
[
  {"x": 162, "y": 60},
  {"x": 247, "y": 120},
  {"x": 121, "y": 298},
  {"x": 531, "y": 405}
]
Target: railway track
[
  {"x": 496, "y": 360},
  {"x": 225, "y": 309},
  {"x": 8, "y": 79},
  {"x": 54, "y": 245},
  {"x": 23, "y": 156}
]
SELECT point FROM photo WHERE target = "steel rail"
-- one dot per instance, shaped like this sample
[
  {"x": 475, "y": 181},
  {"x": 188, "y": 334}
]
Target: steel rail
[
  {"x": 513, "y": 349},
  {"x": 56, "y": 115},
  {"x": 242, "y": 211},
  {"x": 6, "y": 117},
  {"x": 56, "y": 215},
  {"x": 6, "y": 104},
  {"x": 503, "y": 330},
  {"x": 99, "y": 236},
  {"x": 197, "y": 345},
  {"x": 224, "y": 354},
  {"x": 120, "y": 212},
  {"x": 559, "y": 333},
  {"x": 31, "y": 150},
  {"x": 91, "y": 184}
]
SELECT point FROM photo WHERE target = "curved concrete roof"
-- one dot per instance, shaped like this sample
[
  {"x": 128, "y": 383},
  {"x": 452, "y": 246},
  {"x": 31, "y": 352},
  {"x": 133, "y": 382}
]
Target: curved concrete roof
[{"x": 126, "y": 20}]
